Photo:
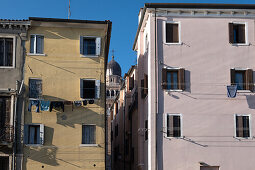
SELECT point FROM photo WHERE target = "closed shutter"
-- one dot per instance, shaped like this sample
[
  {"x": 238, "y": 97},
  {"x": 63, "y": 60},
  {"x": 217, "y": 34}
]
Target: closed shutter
[
  {"x": 145, "y": 84},
  {"x": 232, "y": 76},
  {"x": 81, "y": 45},
  {"x": 170, "y": 128},
  {"x": 177, "y": 126},
  {"x": 239, "y": 126},
  {"x": 131, "y": 83},
  {"x": 41, "y": 134},
  {"x": 241, "y": 33},
  {"x": 31, "y": 134},
  {"x": 25, "y": 134},
  {"x": 249, "y": 80},
  {"x": 142, "y": 89},
  {"x": 231, "y": 33},
  {"x": 97, "y": 91},
  {"x": 246, "y": 126},
  {"x": 181, "y": 79},
  {"x": 81, "y": 89},
  {"x": 98, "y": 46},
  {"x": 7, "y": 111},
  {"x": 164, "y": 79},
  {"x": 175, "y": 33}
]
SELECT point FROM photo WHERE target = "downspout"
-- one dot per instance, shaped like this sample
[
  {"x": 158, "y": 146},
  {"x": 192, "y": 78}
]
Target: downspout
[{"x": 156, "y": 88}]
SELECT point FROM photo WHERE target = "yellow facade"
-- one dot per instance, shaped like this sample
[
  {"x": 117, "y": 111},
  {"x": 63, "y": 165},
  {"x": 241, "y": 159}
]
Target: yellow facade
[{"x": 60, "y": 70}]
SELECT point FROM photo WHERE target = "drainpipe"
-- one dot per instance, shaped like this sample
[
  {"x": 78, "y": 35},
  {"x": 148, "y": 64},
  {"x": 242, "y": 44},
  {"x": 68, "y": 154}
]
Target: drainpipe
[{"x": 156, "y": 88}]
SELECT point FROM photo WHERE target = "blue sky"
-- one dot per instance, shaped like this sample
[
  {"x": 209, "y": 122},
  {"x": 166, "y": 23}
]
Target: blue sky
[{"x": 123, "y": 14}]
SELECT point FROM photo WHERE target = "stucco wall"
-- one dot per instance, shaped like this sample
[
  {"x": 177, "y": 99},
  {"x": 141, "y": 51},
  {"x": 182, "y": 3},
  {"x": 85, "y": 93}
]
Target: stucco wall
[
  {"x": 207, "y": 113},
  {"x": 60, "y": 70}
]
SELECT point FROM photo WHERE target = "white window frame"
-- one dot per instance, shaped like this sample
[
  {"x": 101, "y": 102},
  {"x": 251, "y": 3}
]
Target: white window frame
[
  {"x": 96, "y": 37},
  {"x": 14, "y": 51},
  {"x": 89, "y": 145},
  {"x": 179, "y": 32},
  {"x": 173, "y": 68},
  {"x": 173, "y": 114},
  {"x": 36, "y": 124},
  {"x": 246, "y": 34},
  {"x": 250, "y": 130},
  {"x": 95, "y": 97},
  {"x": 34, "y": 53}
]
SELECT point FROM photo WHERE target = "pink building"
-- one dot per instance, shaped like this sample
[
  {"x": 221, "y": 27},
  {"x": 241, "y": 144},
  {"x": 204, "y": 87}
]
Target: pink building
[{"x": 187, "y": 56}]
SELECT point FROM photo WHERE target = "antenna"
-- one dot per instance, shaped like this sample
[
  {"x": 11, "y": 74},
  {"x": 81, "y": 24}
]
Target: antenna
[{"x": 69, "y": 9}]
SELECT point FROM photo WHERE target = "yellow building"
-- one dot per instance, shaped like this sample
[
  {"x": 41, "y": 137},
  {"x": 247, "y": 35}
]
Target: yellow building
[{"x": 65, "y": 69}]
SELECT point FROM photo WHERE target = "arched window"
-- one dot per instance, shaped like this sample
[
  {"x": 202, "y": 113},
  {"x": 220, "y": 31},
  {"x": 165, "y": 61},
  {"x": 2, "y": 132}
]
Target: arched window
[
  {"x": 108, "y": 93},
  {"x": 112, "y": 93}
]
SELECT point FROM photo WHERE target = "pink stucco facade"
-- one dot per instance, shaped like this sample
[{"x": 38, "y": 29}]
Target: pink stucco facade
[{"x": 207, "y": 114}]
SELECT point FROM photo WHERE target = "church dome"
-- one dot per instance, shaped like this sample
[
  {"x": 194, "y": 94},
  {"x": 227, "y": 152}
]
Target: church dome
[{"x": 113, "y": 68}]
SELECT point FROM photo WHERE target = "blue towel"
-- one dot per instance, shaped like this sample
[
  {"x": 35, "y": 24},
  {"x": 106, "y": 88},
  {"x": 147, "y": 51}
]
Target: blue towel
[
  {"x": 45, "y": 105},
  {"x": 232, "y": 91},
  {"x": 34, "y": 103}
]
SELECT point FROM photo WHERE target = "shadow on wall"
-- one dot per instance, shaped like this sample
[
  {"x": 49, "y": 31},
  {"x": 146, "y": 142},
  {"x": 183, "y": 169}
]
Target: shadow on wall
[{"x": 250, "y": 101}]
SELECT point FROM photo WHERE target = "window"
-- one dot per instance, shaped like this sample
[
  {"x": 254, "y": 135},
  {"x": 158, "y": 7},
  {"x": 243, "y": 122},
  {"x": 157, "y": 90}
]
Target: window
[
  {"x": 146, "y": 130},
  {"x": 116, "y": 130},
  {"x": 131, "y": 82},
  {"x": 243, "y": 78},
  {"x": 144, "y": 84},
  {"x": 172, "y": 33},
  {"x": 209, "y": 168},
  {"x": 237, "y": 33},
  {"x": 242, "y": 126},
  {"x": 5, "y": 112},
  {"x": 112, "y": 93},
  {"x": 90, "y": 46},
  {"x": 108, "y": 93},
  {"x": 173, "y": 125},
  {"x": 6, "y": 52},
  {"x": 36, "y": 44},
  {"x": 88, "y": 134},
  {"x": 35, "y": 88},
  {"x": 116, "y": 107},
  {"x": 173, "y": 79},
  {"x": 90, "y": 89},
  {"x": 34, "y": 134},
  {"x": 4, "y": 162}
]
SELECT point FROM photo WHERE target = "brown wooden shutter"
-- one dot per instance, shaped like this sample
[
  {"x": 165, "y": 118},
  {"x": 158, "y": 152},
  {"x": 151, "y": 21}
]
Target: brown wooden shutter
[
  {"x": 181, "y": 79},
  {"x": 131, "y": 83},
  {"x": 164, "y": 79},
  {"x": 145, "y": 84},
  {"x": 249, "y": 80},
  {"x": 170, "y": 126},
  {"x": 175, "y": 33},
  {"x": 231, "y": 33},
  {"x": 241, "y": 33},
  {"x": 142, "y": 90},
  {"x": 8, "y": 111},
  {"x": 232, "y": 76},
  {"x": 239, "y": 126}
]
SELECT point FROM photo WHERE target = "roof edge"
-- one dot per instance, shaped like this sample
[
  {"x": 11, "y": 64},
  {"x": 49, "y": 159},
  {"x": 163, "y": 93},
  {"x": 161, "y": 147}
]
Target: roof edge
[{"x": 68, "y": 20}]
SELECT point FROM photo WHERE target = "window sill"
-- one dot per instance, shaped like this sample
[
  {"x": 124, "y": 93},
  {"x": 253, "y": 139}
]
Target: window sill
[
  {"x": 89, "y": 56},
  {"x": 178, "y": 90},
  {"x": 7, "y": 67},
  {"x": 181, "y": 137},
  {"x": 88, "y": 145},
  {"x": 243, "y": 138},
  {"x": 179, "y": 43},
  {"x": 34, "y": 54},
  {"x": 243, "y": 91},
  {"x": 33, "y": 145},
  {"x": 240, "y": 44}
]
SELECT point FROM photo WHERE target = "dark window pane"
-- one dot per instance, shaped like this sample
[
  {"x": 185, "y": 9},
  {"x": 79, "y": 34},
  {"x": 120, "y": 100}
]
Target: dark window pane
[
  {"x": 35, "y": 88},
  {"x": 239, "y": 80},
  {"x": 172, "y": 33},
  {"x": 1, "y": 52},
  {"x": 89, "y": 89},
  {"x": 172, "y": 80},
  {"x": 88, "y": 134},
  {"x": 173, "y": 126},
  {"x": 239, "y": 33},
  {"x": 6, "y": 52},
  {"x": 32, "y": 41},
  {"x": 89, "y": 46}
]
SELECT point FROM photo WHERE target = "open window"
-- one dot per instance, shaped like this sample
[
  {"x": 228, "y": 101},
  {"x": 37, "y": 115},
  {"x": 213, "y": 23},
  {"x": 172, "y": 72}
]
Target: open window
[
  {"x": 242, "y": 125},
  {"x": 90, "y": 46},
  {"x": 36, "y": 44},
  {"x": 34, "y": 134},
  {"x": 172, "y": 32},
  {"x": 237, "y": 33},
  {"x": 7, "y": 52},
  {"x": 89, "y": 89},
  {"x": 88, "y": 134},
  {"x": 243, "y": 78},
  {"x": 173, "y": 79},
  {"x": 173, "y": 124}
]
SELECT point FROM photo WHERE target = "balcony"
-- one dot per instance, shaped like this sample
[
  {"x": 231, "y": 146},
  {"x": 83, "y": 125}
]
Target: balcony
[{"x": 6, "y": 135}]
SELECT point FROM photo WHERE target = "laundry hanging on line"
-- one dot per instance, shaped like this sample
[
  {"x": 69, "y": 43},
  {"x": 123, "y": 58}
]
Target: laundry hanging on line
[{"x": 231, "y": 91}]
